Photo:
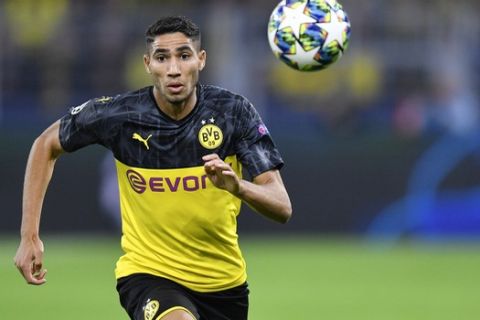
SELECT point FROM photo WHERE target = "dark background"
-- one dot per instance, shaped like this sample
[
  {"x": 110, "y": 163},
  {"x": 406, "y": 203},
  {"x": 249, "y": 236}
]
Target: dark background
[{"x": 383, "y": 143}]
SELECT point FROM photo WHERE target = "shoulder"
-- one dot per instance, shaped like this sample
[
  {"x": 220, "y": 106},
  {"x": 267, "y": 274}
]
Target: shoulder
[
  {"x": 130, "y": 98},
  {"x": 224, "y": 97},
  {"x": 107, "y": 106}
]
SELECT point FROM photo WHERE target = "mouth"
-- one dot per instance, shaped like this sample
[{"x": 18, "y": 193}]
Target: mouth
[{"x": 175, "y": 87}]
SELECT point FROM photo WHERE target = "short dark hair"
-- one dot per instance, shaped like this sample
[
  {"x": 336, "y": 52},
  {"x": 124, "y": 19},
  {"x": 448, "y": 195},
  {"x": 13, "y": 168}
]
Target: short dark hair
[{"x": 173, "y": 24}]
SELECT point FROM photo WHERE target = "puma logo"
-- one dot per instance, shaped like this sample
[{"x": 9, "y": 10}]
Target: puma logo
[{"x": 138, "y": 137}]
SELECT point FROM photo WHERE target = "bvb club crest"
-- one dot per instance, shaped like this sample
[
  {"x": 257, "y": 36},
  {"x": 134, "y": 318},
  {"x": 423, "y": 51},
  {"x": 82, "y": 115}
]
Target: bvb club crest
[
  {"x": 210, "y": 135},
  {"x": 151, "y": 309}
]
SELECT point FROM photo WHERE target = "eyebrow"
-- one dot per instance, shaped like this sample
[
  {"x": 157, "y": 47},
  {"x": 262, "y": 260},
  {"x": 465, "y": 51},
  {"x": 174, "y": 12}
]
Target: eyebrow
[{"x": 179, "y": 49}]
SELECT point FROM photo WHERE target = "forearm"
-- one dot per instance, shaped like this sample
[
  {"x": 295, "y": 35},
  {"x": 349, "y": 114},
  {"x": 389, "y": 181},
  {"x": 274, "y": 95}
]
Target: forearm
[{"x": 270, "y": 199}]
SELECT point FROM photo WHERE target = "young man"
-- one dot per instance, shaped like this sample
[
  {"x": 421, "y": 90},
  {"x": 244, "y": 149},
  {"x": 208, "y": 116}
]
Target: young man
[{"x": 179, "y": 148}]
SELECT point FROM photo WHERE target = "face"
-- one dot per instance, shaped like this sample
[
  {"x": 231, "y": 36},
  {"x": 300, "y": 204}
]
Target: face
[{"x": 174, "y": 62}]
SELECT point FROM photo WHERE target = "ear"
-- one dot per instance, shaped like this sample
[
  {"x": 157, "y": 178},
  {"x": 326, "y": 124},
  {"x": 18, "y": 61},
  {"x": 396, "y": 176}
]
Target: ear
[
  {"x": 146, "y": 63},
  {"x": 202, "y": 56}
]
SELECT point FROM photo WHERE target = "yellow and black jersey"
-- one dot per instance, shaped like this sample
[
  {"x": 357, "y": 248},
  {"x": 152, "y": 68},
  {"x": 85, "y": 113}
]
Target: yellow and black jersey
[{"x": 175, "y": 223}]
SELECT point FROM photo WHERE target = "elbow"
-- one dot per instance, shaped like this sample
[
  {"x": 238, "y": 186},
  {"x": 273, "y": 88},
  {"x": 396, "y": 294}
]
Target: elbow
[
  {"x": 285, "y": 210},
  {"x": 284, "y": 214}
]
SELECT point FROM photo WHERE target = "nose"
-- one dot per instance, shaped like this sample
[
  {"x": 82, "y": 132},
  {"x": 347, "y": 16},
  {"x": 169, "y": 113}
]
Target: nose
[{"x": 173, "y": 68}]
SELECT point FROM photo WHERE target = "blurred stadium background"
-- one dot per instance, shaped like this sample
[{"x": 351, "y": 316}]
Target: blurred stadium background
[{"x": 382, "y": 155}]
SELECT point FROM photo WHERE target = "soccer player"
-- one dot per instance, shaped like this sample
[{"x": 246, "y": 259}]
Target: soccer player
[{"x": 180, "y": 147}]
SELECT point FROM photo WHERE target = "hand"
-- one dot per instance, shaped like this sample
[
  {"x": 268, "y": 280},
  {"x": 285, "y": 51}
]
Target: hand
[
  {"x": 29, "y": 259},
  {"x": 221, "y": 174}
]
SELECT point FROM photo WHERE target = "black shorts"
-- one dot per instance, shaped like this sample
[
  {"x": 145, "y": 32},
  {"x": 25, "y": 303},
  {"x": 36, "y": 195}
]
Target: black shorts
[{"x": 145, "y": 296}]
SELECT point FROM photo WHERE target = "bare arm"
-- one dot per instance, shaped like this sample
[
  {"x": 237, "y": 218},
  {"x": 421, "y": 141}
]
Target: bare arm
[
  {"x": 43, "y": 154},
  {"x": 266, "y": 195}
]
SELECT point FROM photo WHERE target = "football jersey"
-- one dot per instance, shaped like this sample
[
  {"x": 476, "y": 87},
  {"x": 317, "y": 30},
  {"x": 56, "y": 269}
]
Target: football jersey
[{"x": 175, "y": 223}]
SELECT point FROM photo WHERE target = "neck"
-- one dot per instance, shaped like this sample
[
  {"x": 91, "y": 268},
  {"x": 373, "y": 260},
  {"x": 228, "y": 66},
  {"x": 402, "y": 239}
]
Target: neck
[{"x": 175, "y": 110}]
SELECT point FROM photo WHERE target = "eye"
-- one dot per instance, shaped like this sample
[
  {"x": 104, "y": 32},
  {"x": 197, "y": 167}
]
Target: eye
[
  {"x": 185, "y": 56},
  {"x": 160, "y": 58}
]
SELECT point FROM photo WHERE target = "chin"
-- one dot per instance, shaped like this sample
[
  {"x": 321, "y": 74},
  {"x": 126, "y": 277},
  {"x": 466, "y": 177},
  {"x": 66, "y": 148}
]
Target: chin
[{"x": 176, "y": 99}]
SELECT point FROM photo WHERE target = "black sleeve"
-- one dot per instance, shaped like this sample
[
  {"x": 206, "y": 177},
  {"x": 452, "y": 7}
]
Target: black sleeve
[
  {"x": 256, "y": 150},
  {"x": 80, "y": 127}
]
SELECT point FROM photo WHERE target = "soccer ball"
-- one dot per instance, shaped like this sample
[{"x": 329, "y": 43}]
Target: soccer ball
[{"x": 308, "y": 35}]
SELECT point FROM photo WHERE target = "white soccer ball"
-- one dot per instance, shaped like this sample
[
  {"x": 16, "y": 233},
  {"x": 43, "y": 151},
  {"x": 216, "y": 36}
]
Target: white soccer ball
[{"x": 309, "y": 35}]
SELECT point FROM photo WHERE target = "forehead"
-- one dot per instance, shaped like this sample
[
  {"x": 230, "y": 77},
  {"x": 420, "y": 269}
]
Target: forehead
[{"x": 171, "y": 41}]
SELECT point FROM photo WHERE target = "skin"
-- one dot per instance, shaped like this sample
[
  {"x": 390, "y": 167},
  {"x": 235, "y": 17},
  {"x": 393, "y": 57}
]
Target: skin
[
  {"x": 44, "y": 152},
  {"x": 178, "y": 315},
  {"x": 174, "y": 62}
]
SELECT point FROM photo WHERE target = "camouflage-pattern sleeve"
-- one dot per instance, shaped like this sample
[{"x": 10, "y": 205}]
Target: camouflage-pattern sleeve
[
  {"x": 82, "y": 125},
  {"x": 255, "y": 148}
]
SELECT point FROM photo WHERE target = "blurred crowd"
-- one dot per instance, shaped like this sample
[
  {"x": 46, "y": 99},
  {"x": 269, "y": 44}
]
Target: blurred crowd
[{"x": 412, "y": 66}]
